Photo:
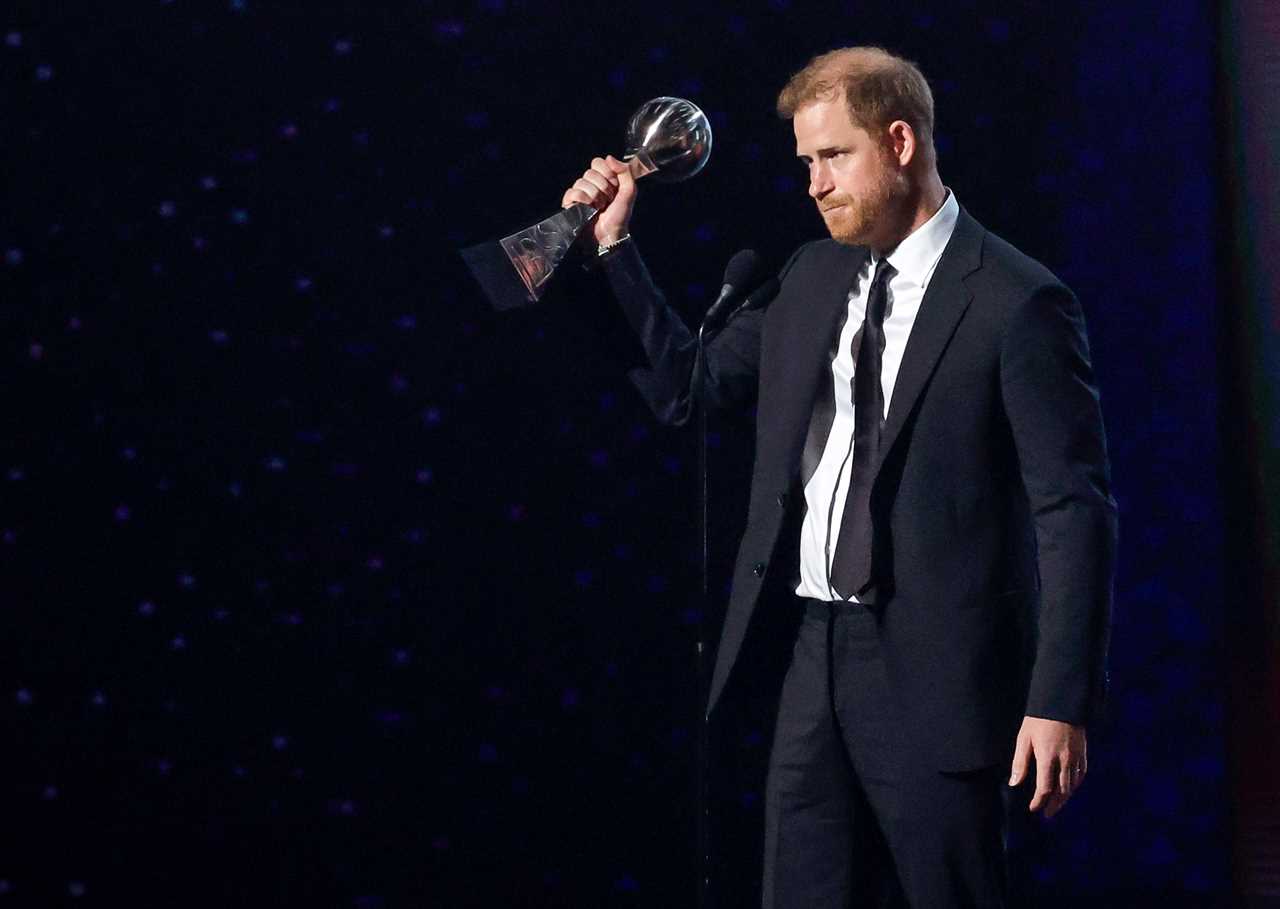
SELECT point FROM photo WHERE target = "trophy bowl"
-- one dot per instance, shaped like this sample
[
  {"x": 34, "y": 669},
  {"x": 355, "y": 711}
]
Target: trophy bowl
[{"x": 674, "y": 134}]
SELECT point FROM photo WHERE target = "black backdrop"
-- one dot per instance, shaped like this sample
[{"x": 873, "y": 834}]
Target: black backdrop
[{"x": 324, "y": 585}]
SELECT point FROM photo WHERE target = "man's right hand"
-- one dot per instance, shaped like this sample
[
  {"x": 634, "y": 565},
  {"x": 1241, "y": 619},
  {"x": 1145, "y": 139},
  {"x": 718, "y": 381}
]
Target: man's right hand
[{"x": 608, "y": 187}]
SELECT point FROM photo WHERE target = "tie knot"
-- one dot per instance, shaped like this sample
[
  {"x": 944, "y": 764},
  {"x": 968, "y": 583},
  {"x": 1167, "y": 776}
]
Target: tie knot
[
  {"x": 884, "y": 271},
  {"x": 878, "y": 295}
]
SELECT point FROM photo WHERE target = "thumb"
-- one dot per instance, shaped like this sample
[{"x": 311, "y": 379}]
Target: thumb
[
  {"x": 1020, "y": 758},
  {"x": 626, "y": 182}
]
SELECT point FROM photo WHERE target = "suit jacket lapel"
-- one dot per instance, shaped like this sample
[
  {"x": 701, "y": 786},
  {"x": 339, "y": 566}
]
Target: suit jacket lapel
[
  {"x": 807, "y": 347},
  {"x": 944, "y": 303}
]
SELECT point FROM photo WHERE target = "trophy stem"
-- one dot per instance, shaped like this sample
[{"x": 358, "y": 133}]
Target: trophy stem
[{"x": 640, "y": 164}]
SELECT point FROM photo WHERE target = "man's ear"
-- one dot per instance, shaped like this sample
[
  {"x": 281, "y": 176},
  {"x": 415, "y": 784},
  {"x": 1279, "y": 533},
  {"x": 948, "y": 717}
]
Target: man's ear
[{"x": 902, "y": 142}]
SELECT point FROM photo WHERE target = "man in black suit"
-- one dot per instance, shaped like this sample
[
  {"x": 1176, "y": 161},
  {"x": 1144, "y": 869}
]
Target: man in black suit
[{"x": 930, "y": 491}]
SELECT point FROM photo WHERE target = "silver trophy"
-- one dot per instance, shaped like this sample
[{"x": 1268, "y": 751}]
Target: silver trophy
[{"x": 668, "y": 138}]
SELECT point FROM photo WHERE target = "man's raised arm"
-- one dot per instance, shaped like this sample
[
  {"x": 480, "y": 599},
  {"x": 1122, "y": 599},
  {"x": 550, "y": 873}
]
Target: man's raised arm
[{"x": 670, "y": 348}]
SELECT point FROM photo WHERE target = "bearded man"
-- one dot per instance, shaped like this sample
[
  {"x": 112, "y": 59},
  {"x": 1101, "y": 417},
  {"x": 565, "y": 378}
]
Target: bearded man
[{"x": 930, "y": 491}]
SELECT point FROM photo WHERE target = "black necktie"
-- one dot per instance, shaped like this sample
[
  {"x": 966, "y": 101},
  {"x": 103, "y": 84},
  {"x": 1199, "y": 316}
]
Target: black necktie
[{"x": 851, "y": 567}]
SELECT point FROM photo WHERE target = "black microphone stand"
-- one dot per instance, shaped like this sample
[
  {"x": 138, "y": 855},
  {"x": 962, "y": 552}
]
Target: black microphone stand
[{"x": 697, "y": 385}]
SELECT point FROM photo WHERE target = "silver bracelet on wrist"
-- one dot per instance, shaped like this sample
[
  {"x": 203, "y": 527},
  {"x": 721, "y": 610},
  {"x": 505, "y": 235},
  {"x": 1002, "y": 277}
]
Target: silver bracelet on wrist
[{"x": 610, "y": 247}]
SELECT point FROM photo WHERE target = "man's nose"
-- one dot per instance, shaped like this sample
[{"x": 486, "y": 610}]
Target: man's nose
[{"x": 819, "y": 181}]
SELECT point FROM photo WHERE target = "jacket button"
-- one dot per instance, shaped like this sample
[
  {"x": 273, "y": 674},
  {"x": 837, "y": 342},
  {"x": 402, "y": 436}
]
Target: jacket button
[
  {"x": 782, "y": 500},
  {"x": 758, "y": 571}
]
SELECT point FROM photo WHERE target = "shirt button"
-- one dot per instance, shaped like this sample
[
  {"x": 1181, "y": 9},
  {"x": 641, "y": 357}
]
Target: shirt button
[{"x": 758, "y": 571}]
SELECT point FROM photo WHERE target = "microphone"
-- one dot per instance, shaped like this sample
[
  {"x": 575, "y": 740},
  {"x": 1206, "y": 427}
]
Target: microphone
[
  {"x": 760, "y": 297},
  {"x": 741, "y": 272}
]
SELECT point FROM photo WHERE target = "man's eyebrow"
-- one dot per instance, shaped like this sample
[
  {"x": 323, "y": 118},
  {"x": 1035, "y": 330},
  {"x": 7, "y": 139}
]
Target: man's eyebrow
[{"x": 825, "y": 150}]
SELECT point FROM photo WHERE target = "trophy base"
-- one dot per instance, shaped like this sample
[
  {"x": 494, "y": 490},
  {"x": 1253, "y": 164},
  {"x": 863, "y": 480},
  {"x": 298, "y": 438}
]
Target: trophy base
[
  {"x": 514, "y": 271},
  {"x": 529, "y": 256},
  {"x": 492, "y": 270}
]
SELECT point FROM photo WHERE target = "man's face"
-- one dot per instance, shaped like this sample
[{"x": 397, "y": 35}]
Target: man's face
[{"x": 855, "y": 182}]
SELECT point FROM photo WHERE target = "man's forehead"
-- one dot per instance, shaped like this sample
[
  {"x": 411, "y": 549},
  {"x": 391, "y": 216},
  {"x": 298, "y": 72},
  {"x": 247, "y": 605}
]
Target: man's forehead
[
  {"x": 822, "y": 106},
  {"x": 819, "y": 121}
]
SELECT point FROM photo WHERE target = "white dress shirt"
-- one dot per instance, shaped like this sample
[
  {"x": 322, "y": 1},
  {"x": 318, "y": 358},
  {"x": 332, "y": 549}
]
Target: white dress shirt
[{"x": 914, "y": 261}]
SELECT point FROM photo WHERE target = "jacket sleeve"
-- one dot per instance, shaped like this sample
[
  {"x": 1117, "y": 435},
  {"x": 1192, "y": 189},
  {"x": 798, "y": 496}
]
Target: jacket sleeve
[
  {"x": 670, "y": 348},
  {"x": 1051, "y": 401}
]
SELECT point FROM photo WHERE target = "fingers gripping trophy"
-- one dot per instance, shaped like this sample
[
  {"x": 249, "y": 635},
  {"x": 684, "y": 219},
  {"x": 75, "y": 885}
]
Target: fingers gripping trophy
[{"x": 667, "y": 138}]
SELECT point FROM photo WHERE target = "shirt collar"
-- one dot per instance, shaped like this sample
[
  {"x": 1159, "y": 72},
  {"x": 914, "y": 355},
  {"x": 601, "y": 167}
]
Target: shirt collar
[{"x": 916, "y": 256}]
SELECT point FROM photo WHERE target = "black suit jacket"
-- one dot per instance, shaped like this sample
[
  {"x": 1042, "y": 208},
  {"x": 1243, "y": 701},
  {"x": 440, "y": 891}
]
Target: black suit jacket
[{"x": 994, "y": 529}]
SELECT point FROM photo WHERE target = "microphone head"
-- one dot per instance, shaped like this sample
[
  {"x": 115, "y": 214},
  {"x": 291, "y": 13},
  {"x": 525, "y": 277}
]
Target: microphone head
[{"x": 742, "y": 269}]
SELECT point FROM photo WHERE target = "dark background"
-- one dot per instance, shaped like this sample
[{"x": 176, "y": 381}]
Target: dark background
[{"x": 322, "y": 584}]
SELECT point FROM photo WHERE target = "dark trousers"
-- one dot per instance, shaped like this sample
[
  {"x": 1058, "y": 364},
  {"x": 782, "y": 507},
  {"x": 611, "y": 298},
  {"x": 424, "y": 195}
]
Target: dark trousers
[{"x": 854, "y": 815}]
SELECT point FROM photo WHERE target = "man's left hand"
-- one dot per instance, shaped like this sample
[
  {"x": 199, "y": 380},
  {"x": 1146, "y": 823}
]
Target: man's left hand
[{"x": 1061, "y": 755}]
